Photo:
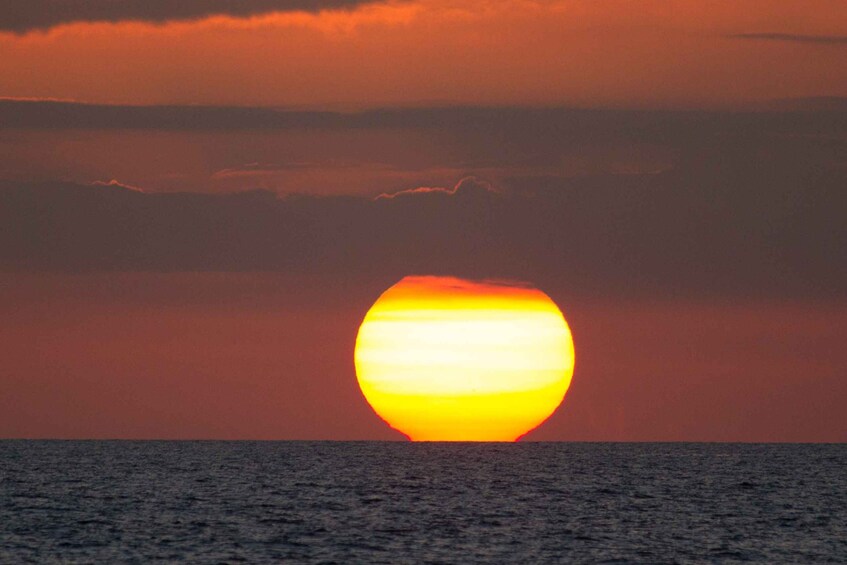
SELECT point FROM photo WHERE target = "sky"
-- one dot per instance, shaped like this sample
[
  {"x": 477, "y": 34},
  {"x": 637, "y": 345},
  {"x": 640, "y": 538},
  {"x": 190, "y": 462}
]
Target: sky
[{"x": 200, "y": 200}]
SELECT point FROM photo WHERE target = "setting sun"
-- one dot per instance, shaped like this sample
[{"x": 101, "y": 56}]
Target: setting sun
[{"x": 446, "y": 359}]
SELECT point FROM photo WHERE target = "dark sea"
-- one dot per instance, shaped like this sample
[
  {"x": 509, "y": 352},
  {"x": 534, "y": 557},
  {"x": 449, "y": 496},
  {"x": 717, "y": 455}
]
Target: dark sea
[{"x": 221, "y": 502}]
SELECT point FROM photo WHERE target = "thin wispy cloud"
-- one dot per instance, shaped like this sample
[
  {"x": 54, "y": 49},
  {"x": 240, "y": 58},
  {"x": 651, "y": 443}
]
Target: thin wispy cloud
[
  {"x": 118, "y": 184},
  {"x": 792, "y": 38},
  {"x": 469, "y": 184}
]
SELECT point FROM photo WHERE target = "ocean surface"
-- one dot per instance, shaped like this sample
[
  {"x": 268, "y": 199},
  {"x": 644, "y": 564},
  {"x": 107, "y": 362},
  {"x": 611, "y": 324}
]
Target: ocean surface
[{"x": 211, "y": 502}]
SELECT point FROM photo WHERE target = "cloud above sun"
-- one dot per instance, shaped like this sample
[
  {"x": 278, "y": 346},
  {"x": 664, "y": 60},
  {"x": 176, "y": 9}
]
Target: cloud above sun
[{"x": 618, "y": 235}]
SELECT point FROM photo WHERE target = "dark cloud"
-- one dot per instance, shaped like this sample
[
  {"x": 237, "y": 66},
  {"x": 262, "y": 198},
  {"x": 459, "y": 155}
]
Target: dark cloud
[
  {"x": 21, "y": 16},
  {"x": 51, "y": 114},
  {"x": 515, "y": 124},
  {"x": 219, "y": 149},
  {"x": 793, "y": 37},
  {"x": 747, "y": 203},
  {"x": 727, "y": 223}
]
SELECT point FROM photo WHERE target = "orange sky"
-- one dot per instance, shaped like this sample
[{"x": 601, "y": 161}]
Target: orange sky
[
  {"x": 614, "y": 52},
  {"x": 231, "y": 356},
  {"x": 698, "y": 256}
]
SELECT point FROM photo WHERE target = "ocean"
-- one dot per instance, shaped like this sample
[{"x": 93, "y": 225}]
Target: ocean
[{"x": 375, "y": 502}]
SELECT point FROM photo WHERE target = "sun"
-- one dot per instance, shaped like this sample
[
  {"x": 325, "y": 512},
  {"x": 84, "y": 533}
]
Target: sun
[{"x": 448, "y": 359}]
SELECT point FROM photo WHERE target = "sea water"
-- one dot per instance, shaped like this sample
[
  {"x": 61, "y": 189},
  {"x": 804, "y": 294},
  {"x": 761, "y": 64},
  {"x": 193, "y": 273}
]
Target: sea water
[{"x": 126, "y": 501}]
